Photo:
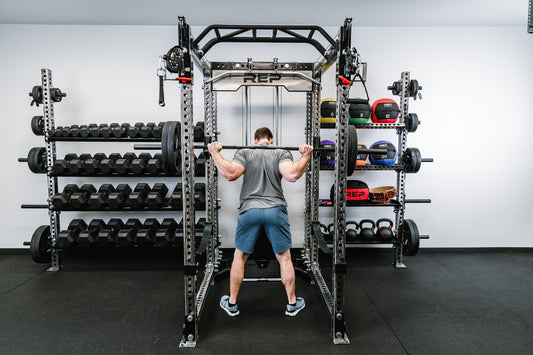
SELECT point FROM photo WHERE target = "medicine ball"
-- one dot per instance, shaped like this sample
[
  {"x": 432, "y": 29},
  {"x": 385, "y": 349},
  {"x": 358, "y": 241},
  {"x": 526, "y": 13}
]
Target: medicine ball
[
  {"x": 384, "y": 159},
  {"x": 385, "y": 111},
  {"x": 327, "y": 157},
  {"x": 356, "y": 192},
  {"x": 359, "y": 110},
  {"x": 328, "y": 110},
  {"x": 361, "y": 158}
]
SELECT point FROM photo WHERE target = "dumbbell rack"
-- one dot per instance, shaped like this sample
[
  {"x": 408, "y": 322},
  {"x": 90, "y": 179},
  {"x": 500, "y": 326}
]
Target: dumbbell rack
[{"x": 52, "y": 176}]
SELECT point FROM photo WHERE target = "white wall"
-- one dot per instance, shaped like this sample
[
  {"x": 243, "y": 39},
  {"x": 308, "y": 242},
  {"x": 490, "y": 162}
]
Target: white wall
[{"x": 476, "y": 100}]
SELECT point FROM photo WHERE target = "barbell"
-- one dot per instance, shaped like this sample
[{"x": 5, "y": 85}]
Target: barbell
[{"x": 171, "y": 146}]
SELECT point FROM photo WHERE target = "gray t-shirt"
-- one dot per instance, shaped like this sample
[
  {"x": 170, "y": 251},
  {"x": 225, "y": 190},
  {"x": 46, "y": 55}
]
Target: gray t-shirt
[{"x": 261, "y": 186}]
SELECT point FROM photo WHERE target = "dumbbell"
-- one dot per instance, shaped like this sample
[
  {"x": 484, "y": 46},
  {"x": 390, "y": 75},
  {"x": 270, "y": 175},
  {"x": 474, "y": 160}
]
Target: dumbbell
[
  {"x": 79, "y": 199},
  {"x": 146, "y": 131},
  {"x": 108, "y": 235},
  {"x": 176, "y": 200},
  {"x": 157, "y": 130},
  {"x": 367, "y": 233},
  {"x": 107, "y": 165},
  {"x": 135, "y": 131},
  {"x": 74, "y": 131},
  {"x": 89, "y": 237},
  {"x": 117, "y": 199},
  {"x": 84, "y": 131},
  {"x": 69, "y": 237},
  {"x": 105, "y": 130},
  {"x": 385, "y": 232},
  {"x": 166, "y": 233},
  {"x": 137, "y": 198},
  {"x": 351, "y": 233},
  {"x": 98, "y": 200},
  {"x": 199, "y": 132},
  {"x": 62, "y": 199},
  {"x": 94, "y": 130},
  {"x": 156, "y": 198},
  {"x": 76, "y": 165},
  {"x": 200, "y": 225},
  {"x": 199, "y": 196},
  {"x": 138, "y": 165},
  {"x": 122, "y": 165},
  {"x": 127, "y": 235},
  {"x": 146, "y": 234},
  {"x": 154, "y": 165},
  {"x": 199, "y": 165},
  {"x": 60, "y": 167},
  {"x": 117, "y": 130}
]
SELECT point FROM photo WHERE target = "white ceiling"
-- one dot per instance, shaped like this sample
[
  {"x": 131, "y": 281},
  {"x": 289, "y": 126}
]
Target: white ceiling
[{"x": 323, "y": 13}]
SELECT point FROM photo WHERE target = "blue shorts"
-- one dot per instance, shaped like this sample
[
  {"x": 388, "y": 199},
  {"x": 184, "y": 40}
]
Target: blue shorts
[{"x": 274, "y": 220}]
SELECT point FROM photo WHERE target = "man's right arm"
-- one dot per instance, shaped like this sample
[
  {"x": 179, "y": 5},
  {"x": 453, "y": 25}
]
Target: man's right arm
[{"x": 229, "y": 169}]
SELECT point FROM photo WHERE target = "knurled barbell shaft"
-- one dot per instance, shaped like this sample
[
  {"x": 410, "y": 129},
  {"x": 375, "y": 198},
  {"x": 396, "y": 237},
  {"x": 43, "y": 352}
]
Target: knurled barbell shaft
[{"x": 201, "y": 146}]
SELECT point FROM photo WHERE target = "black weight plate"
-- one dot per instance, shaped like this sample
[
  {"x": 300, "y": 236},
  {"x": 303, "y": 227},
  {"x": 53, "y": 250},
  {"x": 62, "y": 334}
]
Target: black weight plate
[
  {"x": 412, "y": 160},
  {"x": 411, "y": 237},
  {"x": 37, "y": 160},
  {"x": 411, "y": 122},
  {"x": 170, "y": 146},
  {"x": 40, "y": 245},
  {"x": 37, "y": 125},
  {"x": 352, "y": 150}
]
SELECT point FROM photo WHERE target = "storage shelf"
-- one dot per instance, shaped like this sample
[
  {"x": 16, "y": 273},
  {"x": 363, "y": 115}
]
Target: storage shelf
[
  {"x": 102, "y": 139},
  {"x": 392, "y": 203},
  {"x": 368, "y": 167},
  {"x": 366, "y": 125}
]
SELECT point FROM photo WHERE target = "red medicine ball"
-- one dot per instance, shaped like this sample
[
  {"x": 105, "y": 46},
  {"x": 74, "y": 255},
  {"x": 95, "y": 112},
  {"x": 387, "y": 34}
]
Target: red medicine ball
[{"x": 385, "y": 111}]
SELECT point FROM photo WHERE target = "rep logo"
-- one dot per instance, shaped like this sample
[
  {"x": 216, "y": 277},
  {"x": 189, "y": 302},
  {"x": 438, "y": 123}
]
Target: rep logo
[{"x": 261, "y": 78}]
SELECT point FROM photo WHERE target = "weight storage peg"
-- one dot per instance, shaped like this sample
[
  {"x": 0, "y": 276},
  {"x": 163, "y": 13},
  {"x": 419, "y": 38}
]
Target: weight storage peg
[
  {"x": 367, "y": 233},
  {"x": 412, "y": 160},
  {"x": 36, "y": 160},
  {"x": 170, "y": 147},
  {"x": 37, "y": 95},
  {"x": 384, "y": 232}
]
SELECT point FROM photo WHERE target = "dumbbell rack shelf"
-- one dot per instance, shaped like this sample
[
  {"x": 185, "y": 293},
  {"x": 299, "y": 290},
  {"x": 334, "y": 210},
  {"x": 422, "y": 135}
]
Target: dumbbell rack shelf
[
  {"x": 366, "y": 125},
  {"x": 102, "y": 139},
  {"x": 368, "y": 167}
]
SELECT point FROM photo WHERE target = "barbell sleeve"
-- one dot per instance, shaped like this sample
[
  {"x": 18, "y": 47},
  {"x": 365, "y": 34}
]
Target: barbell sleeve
[{"x": 427, "y": 160}]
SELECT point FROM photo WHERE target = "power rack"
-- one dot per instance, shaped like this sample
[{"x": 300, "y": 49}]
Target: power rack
[{"x": 176, "y": 65}]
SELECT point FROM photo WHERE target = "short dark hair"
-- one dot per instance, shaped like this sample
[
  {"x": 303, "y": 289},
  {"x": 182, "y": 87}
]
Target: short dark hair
[{"x": 263, "y": 132}]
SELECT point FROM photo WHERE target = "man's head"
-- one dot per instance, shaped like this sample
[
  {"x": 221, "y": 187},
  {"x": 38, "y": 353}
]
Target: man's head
[{"x": 263, "y": 133}]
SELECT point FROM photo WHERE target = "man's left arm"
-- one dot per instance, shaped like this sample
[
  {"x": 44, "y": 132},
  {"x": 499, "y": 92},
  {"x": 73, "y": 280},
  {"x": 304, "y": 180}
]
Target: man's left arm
[{"x": 292, "y": 171}]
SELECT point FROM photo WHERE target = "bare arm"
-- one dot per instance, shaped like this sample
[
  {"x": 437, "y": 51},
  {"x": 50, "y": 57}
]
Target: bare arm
[
  {"x": 292, "y": 171},
  {"x": 229, "y": 169}
]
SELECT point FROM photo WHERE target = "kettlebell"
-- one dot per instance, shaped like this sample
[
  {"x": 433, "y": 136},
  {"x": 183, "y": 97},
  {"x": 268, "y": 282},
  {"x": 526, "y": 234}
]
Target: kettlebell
[
  {"x": 384, "y": 233},
  {"x": 351, "y": 234},
  {"x": 366, "y": 233}
]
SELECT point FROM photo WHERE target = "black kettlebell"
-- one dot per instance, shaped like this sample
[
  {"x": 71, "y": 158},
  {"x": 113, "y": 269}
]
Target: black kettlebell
[
  {"x": 351, "y": 233},
  {"x": 385, "y": 232},
  {"x": 366, "y": 233}
]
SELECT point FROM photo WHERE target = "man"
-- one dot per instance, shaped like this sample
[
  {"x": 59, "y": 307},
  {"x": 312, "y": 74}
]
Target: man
[{"x": 262, "y": 205}]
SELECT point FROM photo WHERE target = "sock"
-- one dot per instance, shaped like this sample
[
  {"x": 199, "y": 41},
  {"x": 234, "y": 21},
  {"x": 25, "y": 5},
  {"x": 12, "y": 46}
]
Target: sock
[
  {"x": 293, "y": 304},
  {"x": 231, "y": 304}
]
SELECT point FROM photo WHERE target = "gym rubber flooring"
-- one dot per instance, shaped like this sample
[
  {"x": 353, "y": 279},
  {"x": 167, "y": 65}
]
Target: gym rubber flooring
[{"x": 445, "y": 302}]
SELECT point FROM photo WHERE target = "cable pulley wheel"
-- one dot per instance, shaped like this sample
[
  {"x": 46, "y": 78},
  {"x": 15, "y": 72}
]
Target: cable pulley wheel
[
  {"x": 410, "y": 237},
  {"x": 412, "y": 160},
  {"x": 37, "y": 160},
  {"x": 40, "y": 245},
  {"x": 37, "y": 125},
  {"x": 171, "y": 146}
]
